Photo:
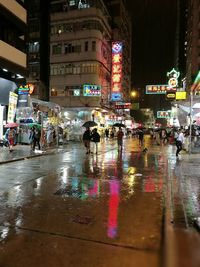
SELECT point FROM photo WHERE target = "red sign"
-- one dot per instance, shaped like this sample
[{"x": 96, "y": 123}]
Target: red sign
[
  {"x": 116, "y": 67},
  {"x": 123, "y": 105}
]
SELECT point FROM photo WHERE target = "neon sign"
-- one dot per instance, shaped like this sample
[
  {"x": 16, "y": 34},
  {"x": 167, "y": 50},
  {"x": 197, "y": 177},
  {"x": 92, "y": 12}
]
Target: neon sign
[
  {"x": 157, "y": 89},
  {"x": 116, "y": 87},
  {"x": 173, "y": 76}
]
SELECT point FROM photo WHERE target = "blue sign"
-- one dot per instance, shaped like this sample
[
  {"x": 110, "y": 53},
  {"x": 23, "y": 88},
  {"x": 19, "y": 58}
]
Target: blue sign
[{"x": 116, "y": 97}]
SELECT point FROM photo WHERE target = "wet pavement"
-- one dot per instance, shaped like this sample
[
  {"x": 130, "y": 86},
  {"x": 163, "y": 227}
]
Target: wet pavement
[{"x": 110, "y": 209}]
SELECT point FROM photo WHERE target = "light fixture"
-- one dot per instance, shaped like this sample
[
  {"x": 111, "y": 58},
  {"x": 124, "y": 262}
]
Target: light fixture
[
  {"x": 5, "y": 70},
  {"x": 19, "y": 76}
]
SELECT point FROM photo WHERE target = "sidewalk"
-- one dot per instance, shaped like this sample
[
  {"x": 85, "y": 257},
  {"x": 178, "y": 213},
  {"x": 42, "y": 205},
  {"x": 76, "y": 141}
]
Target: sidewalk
[{"x": 22, "y": 152}]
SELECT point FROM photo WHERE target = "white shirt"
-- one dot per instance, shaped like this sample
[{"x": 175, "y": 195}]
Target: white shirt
[{"x": 180, "y": 137}]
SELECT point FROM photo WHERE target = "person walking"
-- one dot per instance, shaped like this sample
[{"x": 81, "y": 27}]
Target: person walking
[
  {"x": 95, "y": 137},
  {"x": 35, "y": 138},
  {"x": 10, "y": 136},
  {"x": 179, "y": 142},
  {"x": 86, "y": 140},
  {"x": 140, "y": 137},
  {"x": 120, "y": 135},
  {"x": 107, "y": 133}
]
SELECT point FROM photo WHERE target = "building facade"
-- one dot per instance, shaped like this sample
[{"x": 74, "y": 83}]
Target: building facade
[
  {"x": 38, "y": 47},
  {"x": 13, "y": 57},
  {"x": 193, "y": 42},
  {"x": 80, "y": 54}
]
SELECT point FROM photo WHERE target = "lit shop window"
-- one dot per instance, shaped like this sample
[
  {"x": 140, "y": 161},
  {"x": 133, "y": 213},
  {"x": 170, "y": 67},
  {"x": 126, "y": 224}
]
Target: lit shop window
[{"x": 53, "y": 92}]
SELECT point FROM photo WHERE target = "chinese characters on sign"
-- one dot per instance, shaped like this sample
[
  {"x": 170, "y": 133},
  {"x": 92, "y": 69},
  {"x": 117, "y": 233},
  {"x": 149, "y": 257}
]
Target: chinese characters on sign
[
  {"x": 163, "y": 114},
  {"x": 91, "y": 90},
  {"x": 157, "y": 89},
  {"x": 116, "y": 86},
  {"x": 121, "y": 105}
]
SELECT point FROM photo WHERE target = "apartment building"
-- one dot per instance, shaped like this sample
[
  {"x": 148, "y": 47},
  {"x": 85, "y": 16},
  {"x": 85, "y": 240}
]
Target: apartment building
[
  {"x": 193, "y": 42},
  {"x": 38, "y": 47},
  {"x": 80, "y": 54},
  {"x": 13, "y": 58}
]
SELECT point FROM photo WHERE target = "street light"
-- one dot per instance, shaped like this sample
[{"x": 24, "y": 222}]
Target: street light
[{"x": 133, "y": 94}]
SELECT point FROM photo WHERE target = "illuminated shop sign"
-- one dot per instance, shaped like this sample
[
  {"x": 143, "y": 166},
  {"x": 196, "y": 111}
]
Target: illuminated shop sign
[
  {"x": 23, "y": 90},
  {"x": 77, "y": 92},
  {"x": 170, "y": 95},
  {"x": 12, "y": 107},
  {"x": 122, "y": 105},
  {"x": 116, "y": 96},
  {"x": 181, "y": 95},
  {"x": 91, "y": 90},
  {"x": 157, "y": 89},
  {"x": 116, "y": 69},
  {"x": 173, "y": 76},
  {"x": 163, "y": 114}
]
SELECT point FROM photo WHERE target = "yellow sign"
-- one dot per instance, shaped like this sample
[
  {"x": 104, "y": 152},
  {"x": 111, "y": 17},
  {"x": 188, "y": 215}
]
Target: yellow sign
[{"x": 181, "y": 95}]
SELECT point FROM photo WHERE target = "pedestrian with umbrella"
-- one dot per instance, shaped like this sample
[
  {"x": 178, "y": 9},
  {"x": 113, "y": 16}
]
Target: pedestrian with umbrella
[
  {"x": 120, "y": 135},
  {"x": 86, "y": 140},
  {"x": 10, "y": 136}
]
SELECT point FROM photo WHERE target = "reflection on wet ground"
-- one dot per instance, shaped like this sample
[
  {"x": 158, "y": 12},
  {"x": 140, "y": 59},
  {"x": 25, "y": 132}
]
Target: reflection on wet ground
[{"x": 110, "y": 199}]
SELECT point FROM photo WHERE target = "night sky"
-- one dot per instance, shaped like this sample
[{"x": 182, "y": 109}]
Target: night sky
[{"x": 153, "y": 45}]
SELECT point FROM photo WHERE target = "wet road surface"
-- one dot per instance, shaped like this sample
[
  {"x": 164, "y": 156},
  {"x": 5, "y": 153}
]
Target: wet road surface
[{"x": 74, "y": 209}]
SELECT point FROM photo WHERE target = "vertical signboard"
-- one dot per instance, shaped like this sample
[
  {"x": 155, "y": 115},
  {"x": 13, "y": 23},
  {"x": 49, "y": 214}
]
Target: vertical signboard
[
  {"x": 12, "y": 107},
  {"x": 116, "y": 86}
]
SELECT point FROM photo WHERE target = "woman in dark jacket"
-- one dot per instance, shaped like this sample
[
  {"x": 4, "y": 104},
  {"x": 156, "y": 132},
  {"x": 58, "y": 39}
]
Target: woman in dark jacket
[{"x": 86, "y": 140}]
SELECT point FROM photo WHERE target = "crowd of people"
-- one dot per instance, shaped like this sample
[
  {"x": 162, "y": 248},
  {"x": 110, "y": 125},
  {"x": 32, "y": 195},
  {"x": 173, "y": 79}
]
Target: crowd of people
[{"x": 159, "y": 136}]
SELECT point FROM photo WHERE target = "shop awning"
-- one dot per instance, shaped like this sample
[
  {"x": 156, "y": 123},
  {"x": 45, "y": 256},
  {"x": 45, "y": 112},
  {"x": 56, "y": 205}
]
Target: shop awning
[{"x": 44, "y": 103}]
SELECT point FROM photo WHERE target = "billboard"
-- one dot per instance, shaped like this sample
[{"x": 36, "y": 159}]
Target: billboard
[
  {"x": 91, "y": 90},
  {"x": 156, "y": 89}
]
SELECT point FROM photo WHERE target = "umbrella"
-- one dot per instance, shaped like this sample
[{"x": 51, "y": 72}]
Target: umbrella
[
  {"x": 34, "y": 124},
  {"x": 119, "y": 125},
  {"x": 88, "y": 124},
  {"x": 11, "y": 125}
]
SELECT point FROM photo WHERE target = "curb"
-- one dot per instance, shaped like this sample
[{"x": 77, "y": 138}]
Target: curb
[{"x": 31, "y": 156}]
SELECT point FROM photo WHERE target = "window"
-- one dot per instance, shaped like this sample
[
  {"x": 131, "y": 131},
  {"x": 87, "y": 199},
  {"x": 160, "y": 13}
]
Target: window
[
  {"x": 93, "y": 46},
  {"x": 86, "y": 46},
  {"x": 70, "y": 48},
  {"x": 57, "y": 49}
]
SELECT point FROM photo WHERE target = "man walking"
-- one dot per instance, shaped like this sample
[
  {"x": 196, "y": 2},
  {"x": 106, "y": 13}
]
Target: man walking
[
  {"x": 179, "y": 142},
  {"x": 120, "y": 135}
]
